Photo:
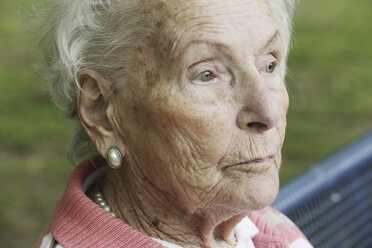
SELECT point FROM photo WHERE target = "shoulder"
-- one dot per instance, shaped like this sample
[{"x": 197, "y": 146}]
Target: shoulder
[
  {"x": 273, "y": 217},
  {"x": 277, "y": 230}
]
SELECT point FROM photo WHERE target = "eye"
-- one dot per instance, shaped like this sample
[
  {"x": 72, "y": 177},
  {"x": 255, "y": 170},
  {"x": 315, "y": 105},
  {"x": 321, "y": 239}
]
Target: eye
[
  {"x": 205, "y": 76},
  {"x": 270, "y": 68}
]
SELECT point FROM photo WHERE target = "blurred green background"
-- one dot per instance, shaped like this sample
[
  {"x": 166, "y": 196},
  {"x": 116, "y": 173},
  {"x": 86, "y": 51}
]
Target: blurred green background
[{"x": 329, "y": 83}]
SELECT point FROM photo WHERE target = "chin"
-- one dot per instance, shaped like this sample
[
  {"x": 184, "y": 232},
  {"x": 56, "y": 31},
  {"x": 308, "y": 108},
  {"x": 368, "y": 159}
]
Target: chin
[
  {"x": 260, "y": 192},
  {"x": 263, "y": 198}
]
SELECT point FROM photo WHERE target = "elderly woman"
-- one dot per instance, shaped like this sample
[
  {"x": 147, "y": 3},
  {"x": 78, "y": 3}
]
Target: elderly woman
[{"x": 185, "y": 104}]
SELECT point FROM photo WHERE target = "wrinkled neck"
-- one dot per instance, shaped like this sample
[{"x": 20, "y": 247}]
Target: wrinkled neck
[{"x": 137, "y": 202}]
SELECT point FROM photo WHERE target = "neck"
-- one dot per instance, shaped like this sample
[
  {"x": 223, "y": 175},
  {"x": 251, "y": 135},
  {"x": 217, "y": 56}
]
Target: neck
[{"x": 139, "y": 204}]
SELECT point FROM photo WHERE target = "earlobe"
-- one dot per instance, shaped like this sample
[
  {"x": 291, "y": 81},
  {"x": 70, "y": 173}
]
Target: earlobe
[{"x": 92, "y": 97}]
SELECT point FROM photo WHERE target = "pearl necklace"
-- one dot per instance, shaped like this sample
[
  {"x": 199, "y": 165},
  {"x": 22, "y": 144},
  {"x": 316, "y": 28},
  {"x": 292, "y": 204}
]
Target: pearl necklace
[{"x": 100, "y": 200}]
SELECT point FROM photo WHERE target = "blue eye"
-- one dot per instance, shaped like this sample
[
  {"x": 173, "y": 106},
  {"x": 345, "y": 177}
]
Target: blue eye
[
  {"x": 205, "y": 76},
  {"x": 270, "y": 68}
]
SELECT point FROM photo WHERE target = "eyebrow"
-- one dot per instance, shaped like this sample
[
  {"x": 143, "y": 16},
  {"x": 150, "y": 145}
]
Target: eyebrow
[
  {"x": 219, "y": 46},
  {"x": 270, "y": 41}
]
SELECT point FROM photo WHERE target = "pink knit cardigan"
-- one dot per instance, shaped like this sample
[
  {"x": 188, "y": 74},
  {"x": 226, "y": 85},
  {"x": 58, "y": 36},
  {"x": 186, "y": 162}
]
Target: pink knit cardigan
[{"x": 79, "y": 222}]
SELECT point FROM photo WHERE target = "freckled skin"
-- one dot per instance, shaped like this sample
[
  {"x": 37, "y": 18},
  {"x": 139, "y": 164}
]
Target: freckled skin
[{"x": 181, "y": 136}]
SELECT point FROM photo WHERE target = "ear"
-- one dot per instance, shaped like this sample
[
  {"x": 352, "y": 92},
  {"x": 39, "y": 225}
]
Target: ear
[{"x": 92, "y": 102}]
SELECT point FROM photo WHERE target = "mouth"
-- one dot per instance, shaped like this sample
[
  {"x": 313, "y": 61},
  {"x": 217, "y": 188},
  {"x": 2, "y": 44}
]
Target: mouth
[{"x": 258, "y": 165}]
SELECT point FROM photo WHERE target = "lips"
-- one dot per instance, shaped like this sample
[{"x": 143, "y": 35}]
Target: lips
[{"x": 257, "y": 165}]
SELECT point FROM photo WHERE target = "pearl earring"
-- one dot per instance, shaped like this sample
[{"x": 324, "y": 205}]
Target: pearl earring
[{"x": 114, "y": 158}]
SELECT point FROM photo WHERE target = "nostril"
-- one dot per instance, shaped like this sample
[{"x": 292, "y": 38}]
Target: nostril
[{"x": 257, "y": 125}]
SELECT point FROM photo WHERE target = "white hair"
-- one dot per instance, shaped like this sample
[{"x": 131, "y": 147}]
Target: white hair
[
  {"x": 283, "y": 12},
  {"x": 99, "y": 35}
]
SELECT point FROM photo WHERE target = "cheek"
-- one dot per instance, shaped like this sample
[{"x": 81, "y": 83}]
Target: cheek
[
  {"x": 282, "y": 100},
  {"x": 195, "y": 138},
  {"x": 207, "y": 123},
  {"x": 283, "y": 119},
  {"x": 198, "y": 136},
  {"x": 183, "y": 135},
  {"x": 264, "y": 189}
]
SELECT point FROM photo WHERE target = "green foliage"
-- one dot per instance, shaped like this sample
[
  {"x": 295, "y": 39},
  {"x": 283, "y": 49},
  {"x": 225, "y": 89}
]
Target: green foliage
[
  {"x": 33, "y": 136},
  {"x": 329, "y": 82}
]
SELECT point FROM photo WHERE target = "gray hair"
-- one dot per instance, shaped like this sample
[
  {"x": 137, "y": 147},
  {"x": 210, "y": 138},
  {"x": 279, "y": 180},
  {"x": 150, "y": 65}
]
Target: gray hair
[{"x": 97, "y": 35}]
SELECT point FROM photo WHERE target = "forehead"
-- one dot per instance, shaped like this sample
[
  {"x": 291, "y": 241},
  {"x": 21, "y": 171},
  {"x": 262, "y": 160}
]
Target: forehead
[
  {"x": 178, "y": 22},
  {"x": 184, "y": 10}
]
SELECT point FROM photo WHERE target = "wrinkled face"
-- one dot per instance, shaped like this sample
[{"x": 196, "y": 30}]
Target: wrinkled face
[{"x": 203, "y": 114}]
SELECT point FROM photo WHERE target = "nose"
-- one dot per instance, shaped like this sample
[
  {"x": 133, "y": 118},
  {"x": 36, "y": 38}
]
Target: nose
[{"x": 261, "y": 110}]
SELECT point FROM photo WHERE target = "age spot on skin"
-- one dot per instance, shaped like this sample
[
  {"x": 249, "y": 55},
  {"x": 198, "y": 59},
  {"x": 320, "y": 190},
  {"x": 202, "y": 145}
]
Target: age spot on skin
[
  {"x": 159, "y": 24},
  {"x": 151, "y": 78},
  {"x": 155, "y": 222}
]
